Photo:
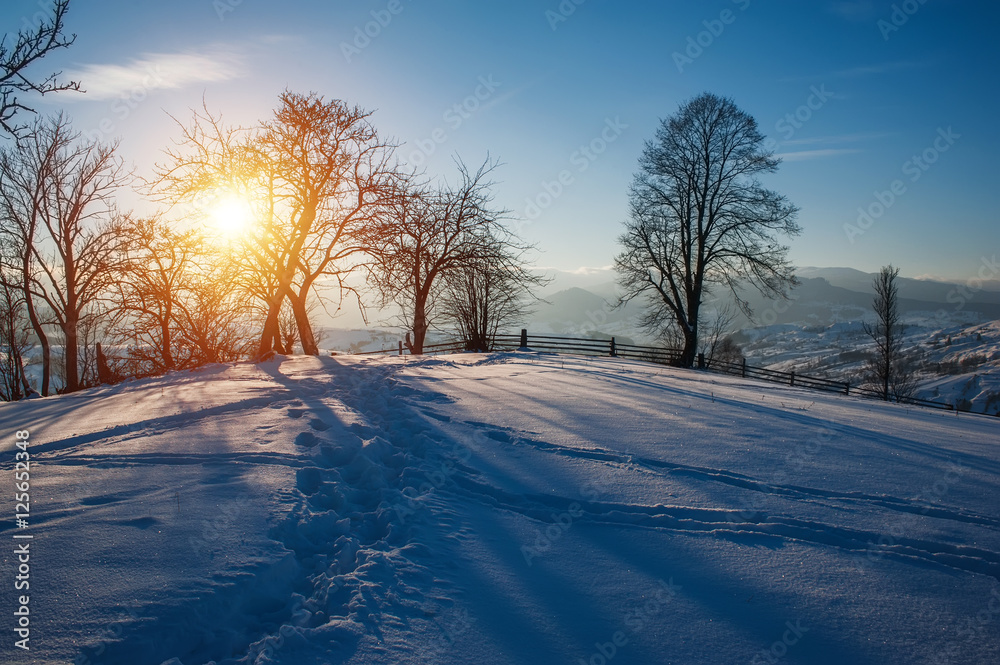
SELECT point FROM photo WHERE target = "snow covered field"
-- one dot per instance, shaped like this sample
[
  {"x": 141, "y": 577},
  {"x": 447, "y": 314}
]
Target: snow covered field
[{"x": 509, "y": 508}]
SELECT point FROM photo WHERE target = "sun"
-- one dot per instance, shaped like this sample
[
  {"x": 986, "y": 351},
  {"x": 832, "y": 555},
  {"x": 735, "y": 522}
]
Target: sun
[{"x": 231, "y": 215}]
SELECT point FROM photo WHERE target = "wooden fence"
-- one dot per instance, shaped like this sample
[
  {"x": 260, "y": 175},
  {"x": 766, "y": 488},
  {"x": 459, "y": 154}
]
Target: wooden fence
[{"x": 659, "y": 355}]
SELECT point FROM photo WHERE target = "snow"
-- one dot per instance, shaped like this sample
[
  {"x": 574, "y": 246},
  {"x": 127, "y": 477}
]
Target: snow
[
  {"x": 504, "y": 508},
  {"x": 954, "y": 363}
]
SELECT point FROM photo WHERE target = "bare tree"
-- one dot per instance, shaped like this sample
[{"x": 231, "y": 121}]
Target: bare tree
[
  {"x": 18, "y": 54},
  {"x": 14, "y": 342},
  {"x": 717, "y": 330},
  {"x": 56, "y": 202},
  {"x": 313, "y": 175},
  {"x": 885, "y": 370},
  {"x": 216, "y": 322},
  {"x": 179, "y": 302},
  {"x": 427, "y": 234},
  {"x": 699, "y": 218},
  {"x": 493, "y": 288},
  {"x": 155, "y": 269}
]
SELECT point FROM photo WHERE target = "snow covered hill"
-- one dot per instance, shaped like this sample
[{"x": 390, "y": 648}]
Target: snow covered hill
[
  {"x": 956, "y": 363},
  {"x": 508, "y": 508}
]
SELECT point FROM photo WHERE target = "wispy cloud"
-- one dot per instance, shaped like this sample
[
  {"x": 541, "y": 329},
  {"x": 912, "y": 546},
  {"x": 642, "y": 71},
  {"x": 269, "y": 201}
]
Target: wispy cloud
[
  {"x": 838, "y": 139},
  {"x": 804, "y": 155},
  {"x": 585, "y": 270},
  {"x": 158, "y": 71},
  {"x": 880, "y": 68},
  {"x": 877, "y": 69}
]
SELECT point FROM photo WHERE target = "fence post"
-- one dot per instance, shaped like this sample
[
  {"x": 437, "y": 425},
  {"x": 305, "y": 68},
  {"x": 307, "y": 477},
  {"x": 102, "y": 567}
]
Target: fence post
[
  {"x": 793, "y": 377},
  {"x": 701, "y": 361},
  {"x": 524, "y": 338},
  {"x": 400, "y": 347},
  {"x": 743, "y": 371},
  {"x": 847, "y": 387},
  {"x": 614, "y": 350}
]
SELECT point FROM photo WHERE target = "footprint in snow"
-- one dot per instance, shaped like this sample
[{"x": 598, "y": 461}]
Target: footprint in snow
[
  {"x": 306, "y": 440},
  {"x": 318, "y": 425},
  {"x": 308, "y": 480}
]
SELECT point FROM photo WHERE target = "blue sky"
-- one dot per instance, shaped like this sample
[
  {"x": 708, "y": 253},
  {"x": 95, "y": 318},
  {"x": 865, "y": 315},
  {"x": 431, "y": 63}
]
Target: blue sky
[{"x": 536, "y": 81}]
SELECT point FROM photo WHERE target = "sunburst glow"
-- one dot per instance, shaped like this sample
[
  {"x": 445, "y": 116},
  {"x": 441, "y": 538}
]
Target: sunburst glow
[{"x": 231, "y": 215}]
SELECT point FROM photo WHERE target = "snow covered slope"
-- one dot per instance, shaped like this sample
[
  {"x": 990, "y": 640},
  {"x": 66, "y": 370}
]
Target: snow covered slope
[
  {"x": 511, "y": 508},
  {"x": 956, "y": 364}
]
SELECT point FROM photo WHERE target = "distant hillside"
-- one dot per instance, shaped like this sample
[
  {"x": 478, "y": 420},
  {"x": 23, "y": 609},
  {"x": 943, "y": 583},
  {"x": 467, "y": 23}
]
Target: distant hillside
[{"x": 909, "y": 288}]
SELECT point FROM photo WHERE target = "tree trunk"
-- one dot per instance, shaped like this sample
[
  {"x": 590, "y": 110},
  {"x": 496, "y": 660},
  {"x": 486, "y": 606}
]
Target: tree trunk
[
  {"x": 886, "y": 362},
  {"x": 36, "y": 324},
  {"x": 419, "y": 324},
  {"x": 43, "y": 341},
  {"x": 690, "y": 350},
  {"x": 271, "y": 334},
  {"x": 306, "y": 336},
  {"x": 104, "y": 374},
  {"x": 71, "y": 354},
  {"x": 689, "y": 327},
  {"x": 166, "y": 339}
]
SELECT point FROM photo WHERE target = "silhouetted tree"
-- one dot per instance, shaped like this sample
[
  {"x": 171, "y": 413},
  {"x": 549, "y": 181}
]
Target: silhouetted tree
[
  {"x": 14, "y": 342},
  {"x": 313, "y": 176},
  {"x": 19, "y": 53},
  {"x": 154, "y": 270},
  {"x": 715, "y": 339},
  {"x": 493, "y": 288},
  {"x": 427, "y": 234},
  {"x": 699, "y": 218},
  {"x": 56, "y": 209},
  {"x": 885, "y": 370}
]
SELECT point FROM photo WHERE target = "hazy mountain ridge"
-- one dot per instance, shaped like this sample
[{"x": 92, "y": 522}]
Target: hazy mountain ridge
[{"x": 953, "y": 330}]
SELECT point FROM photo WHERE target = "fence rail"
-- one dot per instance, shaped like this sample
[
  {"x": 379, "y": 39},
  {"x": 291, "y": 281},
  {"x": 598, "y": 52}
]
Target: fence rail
[
  {"x": 454, "y": 346},
  {"x": 659, "y": 355},
  {"x": 814, "y": 382}
]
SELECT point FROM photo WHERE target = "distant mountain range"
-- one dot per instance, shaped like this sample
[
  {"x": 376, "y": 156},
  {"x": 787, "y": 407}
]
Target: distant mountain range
[{"x": 825, "y": 296}]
